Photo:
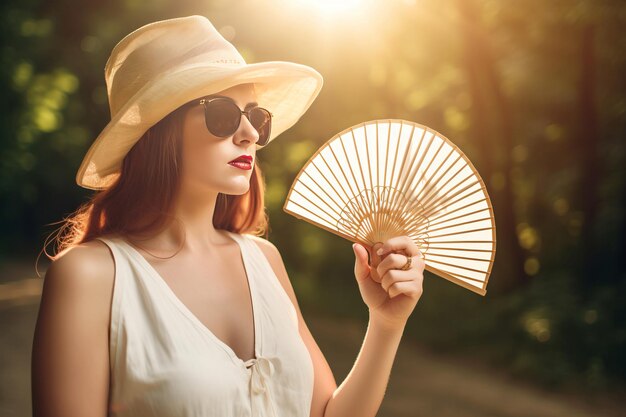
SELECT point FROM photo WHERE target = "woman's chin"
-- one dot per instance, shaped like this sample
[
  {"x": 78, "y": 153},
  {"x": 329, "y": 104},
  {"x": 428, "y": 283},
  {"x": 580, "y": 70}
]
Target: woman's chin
[{"x": 238, "y": 188}]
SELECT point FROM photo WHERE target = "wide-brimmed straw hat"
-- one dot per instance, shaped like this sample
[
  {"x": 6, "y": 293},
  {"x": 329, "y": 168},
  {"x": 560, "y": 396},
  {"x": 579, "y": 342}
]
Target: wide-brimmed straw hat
[{"x": 163, "y": 65}]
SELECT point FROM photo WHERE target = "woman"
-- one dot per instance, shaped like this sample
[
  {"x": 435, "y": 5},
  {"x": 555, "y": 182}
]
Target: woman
[{"x": 163, "y": 300}]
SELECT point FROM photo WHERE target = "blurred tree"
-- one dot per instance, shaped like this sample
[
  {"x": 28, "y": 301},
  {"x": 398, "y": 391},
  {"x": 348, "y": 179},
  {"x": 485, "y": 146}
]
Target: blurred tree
[
  {"x": 588, "y": 143},
  {"x": 495, "y": 134}
]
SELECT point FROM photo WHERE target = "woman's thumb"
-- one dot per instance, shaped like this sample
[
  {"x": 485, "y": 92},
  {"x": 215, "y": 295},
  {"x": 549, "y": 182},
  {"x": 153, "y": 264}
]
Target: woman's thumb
[{"x": 361, "y": 268}]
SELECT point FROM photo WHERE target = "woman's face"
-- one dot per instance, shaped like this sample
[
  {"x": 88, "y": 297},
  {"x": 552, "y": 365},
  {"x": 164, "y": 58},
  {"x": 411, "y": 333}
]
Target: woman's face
[{"x": 205, "y": 157}]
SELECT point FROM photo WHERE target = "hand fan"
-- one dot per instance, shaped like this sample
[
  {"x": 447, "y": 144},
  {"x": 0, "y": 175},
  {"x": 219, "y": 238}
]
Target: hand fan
[{"x": 386, "y": 178}]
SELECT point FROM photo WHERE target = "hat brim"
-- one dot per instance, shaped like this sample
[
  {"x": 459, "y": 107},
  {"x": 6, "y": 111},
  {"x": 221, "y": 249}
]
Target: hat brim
[{"x": 286, "y": 89}]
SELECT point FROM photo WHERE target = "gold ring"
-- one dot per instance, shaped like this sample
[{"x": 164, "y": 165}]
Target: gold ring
[{"x": 407, "y": 265}]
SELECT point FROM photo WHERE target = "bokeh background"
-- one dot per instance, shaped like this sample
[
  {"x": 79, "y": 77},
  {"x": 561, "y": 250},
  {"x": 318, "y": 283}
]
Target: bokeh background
[{"x": 532, "y": 91}]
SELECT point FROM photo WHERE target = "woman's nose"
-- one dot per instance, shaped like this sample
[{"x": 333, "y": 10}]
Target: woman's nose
[{"x": 246, "y": 131}]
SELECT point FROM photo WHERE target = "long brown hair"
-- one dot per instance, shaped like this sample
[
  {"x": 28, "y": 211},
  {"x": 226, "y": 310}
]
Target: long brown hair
[{"x": 140, "y": 201}]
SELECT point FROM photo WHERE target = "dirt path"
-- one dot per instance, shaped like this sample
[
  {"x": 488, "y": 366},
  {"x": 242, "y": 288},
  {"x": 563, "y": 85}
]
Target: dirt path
[
  {"x": 421, "y": 383},
  {"x": 425, "y": 384}
]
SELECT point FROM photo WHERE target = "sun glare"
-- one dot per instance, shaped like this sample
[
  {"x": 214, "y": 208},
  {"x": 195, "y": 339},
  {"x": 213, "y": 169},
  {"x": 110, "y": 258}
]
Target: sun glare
[{"x": 332, "y": 6}]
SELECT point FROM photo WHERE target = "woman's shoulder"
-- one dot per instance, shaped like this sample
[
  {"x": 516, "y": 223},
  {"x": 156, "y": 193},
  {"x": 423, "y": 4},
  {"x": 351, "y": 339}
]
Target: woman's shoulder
[
  {"x": 273, "y": 256},
  {"x": 93, "y": 252},
  {"x": 265, "y": 245},
  {"x": 88, "y": 266}
]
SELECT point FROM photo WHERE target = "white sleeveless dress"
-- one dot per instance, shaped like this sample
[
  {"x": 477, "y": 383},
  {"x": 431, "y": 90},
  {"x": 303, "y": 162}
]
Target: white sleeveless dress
[{"x": 165, "y": 362}]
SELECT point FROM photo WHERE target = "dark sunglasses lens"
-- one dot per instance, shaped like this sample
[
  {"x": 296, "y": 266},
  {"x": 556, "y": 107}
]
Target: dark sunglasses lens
[
  {"x": 222, "y": 117},
  {"x": 261, "y": 120}
]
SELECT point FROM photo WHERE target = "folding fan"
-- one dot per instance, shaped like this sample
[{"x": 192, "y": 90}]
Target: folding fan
[{"x": 386, "y": 178}]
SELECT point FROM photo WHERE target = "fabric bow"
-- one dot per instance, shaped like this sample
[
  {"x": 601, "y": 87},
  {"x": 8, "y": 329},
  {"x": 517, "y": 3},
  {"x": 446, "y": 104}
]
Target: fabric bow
[{"x": 262, "y": 370}]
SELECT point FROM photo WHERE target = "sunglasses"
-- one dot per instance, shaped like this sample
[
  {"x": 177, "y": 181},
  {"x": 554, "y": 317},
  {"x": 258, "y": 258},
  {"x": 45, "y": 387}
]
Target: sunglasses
[{"x": 222, "y": 117}]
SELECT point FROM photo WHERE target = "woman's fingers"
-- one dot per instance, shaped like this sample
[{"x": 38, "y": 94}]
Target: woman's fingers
[
  {"x": 395, "y": 261},
  {"x": 411, "y": 288},
  {"x": 394, "y": 277},
  {"x": 388, "y": 260},
  {"x": 398, "y": 243},
  {"x": 391, "y": 261}
]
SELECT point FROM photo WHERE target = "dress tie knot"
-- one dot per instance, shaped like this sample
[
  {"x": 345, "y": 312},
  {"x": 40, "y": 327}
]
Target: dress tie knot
[{"x": 262, "y": 369}]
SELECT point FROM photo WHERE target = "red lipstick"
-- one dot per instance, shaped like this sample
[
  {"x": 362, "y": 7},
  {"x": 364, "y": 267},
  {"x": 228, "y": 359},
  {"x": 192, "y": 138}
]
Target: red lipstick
[{"x": 242, "y": 162}]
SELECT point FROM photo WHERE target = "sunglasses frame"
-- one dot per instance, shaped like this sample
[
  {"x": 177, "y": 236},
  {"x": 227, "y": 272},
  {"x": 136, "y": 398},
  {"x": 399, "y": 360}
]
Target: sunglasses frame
[{"x": 204, "y": 101}]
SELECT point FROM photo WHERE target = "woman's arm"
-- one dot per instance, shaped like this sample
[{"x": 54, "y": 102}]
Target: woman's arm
[
  {"x": 390, "y": 294},
  {"x": 362, "y": 392},
  {"x": 70, "y": 356}
]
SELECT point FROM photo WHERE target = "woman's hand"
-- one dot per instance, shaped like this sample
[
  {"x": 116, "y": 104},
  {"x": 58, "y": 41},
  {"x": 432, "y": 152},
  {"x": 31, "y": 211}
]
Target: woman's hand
[{"x": 390, "y": 293}]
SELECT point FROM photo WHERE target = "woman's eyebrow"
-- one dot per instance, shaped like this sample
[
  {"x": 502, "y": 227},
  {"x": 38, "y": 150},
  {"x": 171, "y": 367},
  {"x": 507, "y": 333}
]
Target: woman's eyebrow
[{"x": 251, "y": 104}]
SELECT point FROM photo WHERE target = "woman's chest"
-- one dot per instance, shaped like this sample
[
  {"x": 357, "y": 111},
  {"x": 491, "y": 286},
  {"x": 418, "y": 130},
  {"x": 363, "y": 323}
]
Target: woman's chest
[{"x": 219, "y": 296}]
